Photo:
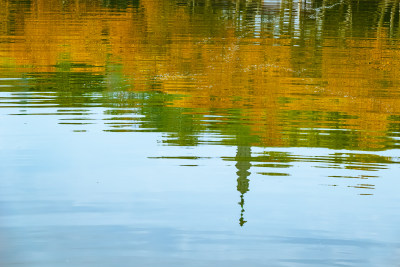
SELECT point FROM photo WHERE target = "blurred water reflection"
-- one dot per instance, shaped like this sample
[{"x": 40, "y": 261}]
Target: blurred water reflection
[{"x": 143, "y": 111}]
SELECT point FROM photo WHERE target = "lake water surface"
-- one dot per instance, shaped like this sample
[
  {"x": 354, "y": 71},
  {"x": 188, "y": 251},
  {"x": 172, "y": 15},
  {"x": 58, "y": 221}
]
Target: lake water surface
[{"x": 199, "y": 133}]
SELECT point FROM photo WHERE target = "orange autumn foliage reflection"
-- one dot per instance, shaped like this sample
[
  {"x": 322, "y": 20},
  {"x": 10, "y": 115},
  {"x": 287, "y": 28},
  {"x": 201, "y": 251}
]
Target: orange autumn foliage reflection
[{"x": 222, "y": 62}]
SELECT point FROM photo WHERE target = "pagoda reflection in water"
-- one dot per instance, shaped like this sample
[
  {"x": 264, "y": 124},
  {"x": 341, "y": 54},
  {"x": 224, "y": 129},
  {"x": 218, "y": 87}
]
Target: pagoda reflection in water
[{"x": 243, "y": 156}]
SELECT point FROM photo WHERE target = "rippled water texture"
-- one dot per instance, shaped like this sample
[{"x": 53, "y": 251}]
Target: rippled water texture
[{"x": 199, "y": 133}]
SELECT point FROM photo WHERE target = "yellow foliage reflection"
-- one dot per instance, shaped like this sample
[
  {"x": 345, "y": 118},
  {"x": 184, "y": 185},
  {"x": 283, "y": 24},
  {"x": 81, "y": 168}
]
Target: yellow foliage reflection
[{"x": 280, "y": 65}]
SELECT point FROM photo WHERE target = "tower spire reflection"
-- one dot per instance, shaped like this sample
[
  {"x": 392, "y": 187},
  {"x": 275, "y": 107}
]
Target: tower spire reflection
[{"x": 243, "y": 165}]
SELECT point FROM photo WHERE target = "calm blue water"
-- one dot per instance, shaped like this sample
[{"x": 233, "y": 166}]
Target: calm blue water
[{"x": 119, "y": 147}]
